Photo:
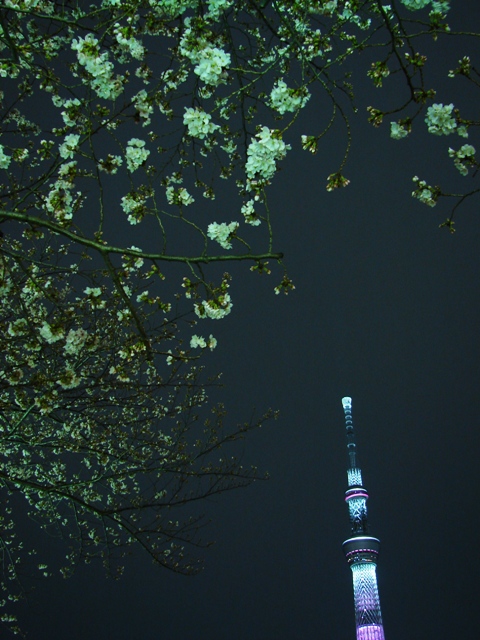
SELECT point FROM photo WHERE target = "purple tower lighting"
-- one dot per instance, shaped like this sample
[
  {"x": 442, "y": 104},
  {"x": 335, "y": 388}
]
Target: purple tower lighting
[{"x": 361, "y": 550}]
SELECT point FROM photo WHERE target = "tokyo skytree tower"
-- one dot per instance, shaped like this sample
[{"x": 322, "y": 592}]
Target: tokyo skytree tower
[{"x": 361, "y": 550}]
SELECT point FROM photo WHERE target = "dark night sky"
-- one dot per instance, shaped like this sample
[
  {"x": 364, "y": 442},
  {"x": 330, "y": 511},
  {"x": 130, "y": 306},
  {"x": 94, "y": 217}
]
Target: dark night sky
[{"x": 386, "y": 310}]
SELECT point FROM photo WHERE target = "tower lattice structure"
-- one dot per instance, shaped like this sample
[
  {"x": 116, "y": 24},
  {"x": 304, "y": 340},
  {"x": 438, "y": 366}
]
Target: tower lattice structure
[{"x": 361, "y": 550}]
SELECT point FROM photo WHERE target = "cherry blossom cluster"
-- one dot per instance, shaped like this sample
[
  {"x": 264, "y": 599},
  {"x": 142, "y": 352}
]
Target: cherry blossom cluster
[
  {"x": 463, "y": 158},
  {"x": 133, "y": 204},
  {"x": 439, "y": 119},
  {"x": 100, "y": 69},
  {"x": 438, "y": 6},
  {"x": 218, "y": 305},
  {"x": 4, "y": 158},
  {"x": 60, "y": 200},
  {"x": 198, "y": 341},
  {"x": 425, "y": 193},
  {"x": 414, "y": 5},
  {"x": 136, "y": 154},
  {"x": 248, "y": 210},
  {"x": 398, "y": 131},
  {"x": 284, "y": 99},
  {"x": 199, "y": 123},
  {"x": 214, "y": 309},
  {"x": 264, "y": 150},
  {"x": 222, "y": 233},
  {"x": 210, "y": 62}
]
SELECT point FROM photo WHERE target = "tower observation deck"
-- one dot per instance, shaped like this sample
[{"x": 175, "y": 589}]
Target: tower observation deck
[{"x": 361, "y": 550}]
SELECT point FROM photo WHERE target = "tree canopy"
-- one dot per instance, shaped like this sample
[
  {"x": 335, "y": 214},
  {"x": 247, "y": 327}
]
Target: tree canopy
[{"x": 140, "y": 140}]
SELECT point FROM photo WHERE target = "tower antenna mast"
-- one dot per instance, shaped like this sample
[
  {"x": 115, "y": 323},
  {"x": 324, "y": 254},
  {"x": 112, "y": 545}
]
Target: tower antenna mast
[{"x": 361, "y": 550}]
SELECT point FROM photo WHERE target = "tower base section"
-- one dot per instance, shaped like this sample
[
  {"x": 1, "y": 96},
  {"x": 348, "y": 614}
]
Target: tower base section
[{"x": 370, "y": 632}]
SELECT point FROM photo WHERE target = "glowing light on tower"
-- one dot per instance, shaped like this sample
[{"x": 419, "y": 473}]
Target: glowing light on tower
[{"x": 361, "y": 550}]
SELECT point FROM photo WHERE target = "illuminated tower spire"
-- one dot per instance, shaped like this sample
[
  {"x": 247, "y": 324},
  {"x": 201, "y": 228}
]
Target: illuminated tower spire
[{"x": 361, "y": 550}]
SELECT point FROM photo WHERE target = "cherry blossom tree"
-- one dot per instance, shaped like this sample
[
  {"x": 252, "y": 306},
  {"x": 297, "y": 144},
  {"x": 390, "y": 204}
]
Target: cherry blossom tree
[
  {"x": 106, "y": 430},
  {"x": 139, "y": 142}
]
